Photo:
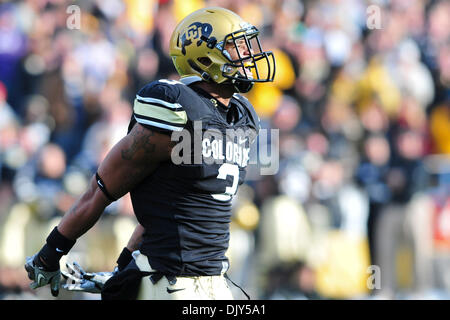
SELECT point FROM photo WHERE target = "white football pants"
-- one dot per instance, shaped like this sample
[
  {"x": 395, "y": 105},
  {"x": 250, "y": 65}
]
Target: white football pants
[{"x": 185, "y": 288}]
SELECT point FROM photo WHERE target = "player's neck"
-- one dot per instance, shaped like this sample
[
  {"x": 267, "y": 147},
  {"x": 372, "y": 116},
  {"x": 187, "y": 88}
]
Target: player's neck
[{"x": 220, "y": 92}]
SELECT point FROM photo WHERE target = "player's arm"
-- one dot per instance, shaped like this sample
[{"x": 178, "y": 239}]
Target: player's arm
[
  {"x": 93, "y": 282},
  {"x": 126, "y": 165},
  {"x": 136, "y": 238}
]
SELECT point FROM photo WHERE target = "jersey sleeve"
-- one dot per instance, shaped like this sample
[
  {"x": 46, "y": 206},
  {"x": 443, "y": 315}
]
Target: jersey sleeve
[{"x": 156, "y": 107}]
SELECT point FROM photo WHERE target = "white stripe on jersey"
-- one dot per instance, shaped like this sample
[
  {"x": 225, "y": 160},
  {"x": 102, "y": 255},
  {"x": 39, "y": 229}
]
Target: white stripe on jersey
[
  {"x": 157, "y": 124},
  {"x": 158, "y": 113},
  {"x": 154, "y": 100}
]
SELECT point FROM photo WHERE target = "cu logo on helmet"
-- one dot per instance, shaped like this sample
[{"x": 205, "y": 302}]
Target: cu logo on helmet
[{"x": 196, "y": 30}]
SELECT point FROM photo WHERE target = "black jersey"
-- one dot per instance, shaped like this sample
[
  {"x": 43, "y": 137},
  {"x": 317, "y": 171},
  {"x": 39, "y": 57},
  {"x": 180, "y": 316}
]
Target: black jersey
[{"x": 185, "y": 205}]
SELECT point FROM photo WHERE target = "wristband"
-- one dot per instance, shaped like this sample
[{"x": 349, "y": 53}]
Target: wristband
[
  {"x": 124, "y": 259},
  {"x": 57, "y": 245},
  {"x": 60, "y": 243},
  {"x": 48, "y": 258}
]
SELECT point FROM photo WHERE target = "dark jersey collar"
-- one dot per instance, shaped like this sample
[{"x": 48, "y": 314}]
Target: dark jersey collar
[
  {"x": 230, "y": 113},
  {"x": 206, "y": 94}
]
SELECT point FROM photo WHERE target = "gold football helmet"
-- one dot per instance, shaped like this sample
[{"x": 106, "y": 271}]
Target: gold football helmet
[{"x": 202, "y": 43}]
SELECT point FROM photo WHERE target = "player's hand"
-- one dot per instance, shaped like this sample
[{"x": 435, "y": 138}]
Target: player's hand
[
  {"x": 41, "y": 276},
  {"x": 79, "y": 280}
]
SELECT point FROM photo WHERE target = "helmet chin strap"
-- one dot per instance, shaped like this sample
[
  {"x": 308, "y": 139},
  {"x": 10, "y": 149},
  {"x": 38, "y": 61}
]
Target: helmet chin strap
[
  {"x": 241, "y": 86},
  {"x": 238, "y": 86}
]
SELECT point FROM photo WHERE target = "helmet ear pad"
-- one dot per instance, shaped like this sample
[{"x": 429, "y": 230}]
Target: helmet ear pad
[
  {"x": 204, "y": 75},
  {"x": 205, "y": 61}
]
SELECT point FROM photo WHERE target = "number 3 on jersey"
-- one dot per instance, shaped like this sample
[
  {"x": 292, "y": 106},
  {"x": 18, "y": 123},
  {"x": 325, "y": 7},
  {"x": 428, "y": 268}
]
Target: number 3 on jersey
[{"x": 227, "y": 169}]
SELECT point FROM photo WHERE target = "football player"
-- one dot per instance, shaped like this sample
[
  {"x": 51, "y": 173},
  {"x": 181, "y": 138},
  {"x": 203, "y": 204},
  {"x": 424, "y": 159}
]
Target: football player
[{"x": 184, "y": 156}]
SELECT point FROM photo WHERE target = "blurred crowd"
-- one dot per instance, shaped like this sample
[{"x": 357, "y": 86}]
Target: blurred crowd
[{"x": 360, "y": 205}]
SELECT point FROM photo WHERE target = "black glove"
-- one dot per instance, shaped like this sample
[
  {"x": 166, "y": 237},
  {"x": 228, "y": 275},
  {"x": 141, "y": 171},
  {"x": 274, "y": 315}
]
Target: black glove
[
  {"x": 42, "y": 274},
  {"x": 43, "y": 267}
]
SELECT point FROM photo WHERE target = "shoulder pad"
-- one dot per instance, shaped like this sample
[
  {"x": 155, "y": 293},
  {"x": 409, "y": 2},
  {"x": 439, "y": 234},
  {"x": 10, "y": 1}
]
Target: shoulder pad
[{"x": 156, "y": 106}]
